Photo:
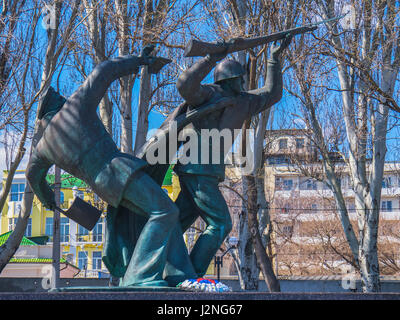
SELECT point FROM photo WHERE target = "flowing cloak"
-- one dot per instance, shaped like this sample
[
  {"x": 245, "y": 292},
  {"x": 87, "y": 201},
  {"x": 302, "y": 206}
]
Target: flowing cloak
[{"x": 123, "y": 228}]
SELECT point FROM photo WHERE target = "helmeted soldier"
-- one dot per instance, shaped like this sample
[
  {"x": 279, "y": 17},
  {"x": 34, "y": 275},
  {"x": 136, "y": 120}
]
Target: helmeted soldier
[
  {"x": 75, "y": 140},
  {"x": 200, "y": 194}
]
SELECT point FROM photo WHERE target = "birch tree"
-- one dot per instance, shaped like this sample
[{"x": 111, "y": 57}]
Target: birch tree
[
  {"x": 97, "y": 47},
  {"x": 379, "y": 52},
  {"x": 366, "y": 62}
]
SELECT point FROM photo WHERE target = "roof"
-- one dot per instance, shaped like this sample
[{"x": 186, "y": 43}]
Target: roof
[
  {"x": 168, "y": 177},
  {"x": 35, "y": 260},
  {"x": 67, "y": 181},
  {"x": 39, "y": 239},
  {"x": 24, "y": 242}
]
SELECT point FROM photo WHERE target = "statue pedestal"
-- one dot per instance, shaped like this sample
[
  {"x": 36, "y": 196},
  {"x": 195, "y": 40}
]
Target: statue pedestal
[{"x": 116, "y": 289}]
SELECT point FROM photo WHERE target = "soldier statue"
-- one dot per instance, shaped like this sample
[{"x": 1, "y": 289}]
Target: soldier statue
[
  {"x": 76, "y": 140},
  {"x": 200, "y": 195}
]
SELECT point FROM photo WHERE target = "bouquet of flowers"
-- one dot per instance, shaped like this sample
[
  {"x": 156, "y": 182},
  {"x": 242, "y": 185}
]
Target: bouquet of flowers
[{"x": 204, "y": 285}]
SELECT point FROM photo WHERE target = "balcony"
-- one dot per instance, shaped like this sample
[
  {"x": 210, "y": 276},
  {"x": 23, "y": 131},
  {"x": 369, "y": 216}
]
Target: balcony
[
  {"x": 91, "y": 237},
  {"x": 328, "y": 215},
  {"x": 93, "y": 274}
]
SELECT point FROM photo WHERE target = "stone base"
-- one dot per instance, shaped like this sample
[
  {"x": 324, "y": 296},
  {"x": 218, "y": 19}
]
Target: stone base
[
  {"x": 116, "y": 289},
  {"x": 112, "y": 294}
]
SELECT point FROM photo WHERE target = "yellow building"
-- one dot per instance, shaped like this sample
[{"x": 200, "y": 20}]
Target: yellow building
[{"x": 78, "y": 246}]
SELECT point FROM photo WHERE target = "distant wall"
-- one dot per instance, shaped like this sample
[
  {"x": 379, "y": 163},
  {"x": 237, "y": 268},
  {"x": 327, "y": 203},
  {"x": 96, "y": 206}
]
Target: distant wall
[
  {"x": 35, "y": 285},
  {"x": 317, "y": 285}
]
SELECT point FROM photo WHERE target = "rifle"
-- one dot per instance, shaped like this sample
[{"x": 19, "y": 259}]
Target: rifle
[{"x": 197, "y": 48}]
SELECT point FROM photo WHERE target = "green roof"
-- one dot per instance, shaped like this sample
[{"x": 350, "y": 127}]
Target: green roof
[
  {"x": 39, "y": 239},
  {"x": 168, "y": 177},
  {"x": 35, "y": 260},
  {"x": 24, "y": 242},
  {"x": 67, "y": 181}
]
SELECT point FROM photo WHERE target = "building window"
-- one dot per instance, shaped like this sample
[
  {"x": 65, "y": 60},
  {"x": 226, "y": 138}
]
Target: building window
[
  {"x": 64, "y": 229},
  {"x": 314, "y": 207},
  {"x": 96, "y": 260},
  {"x": 83, "y": 234},
  {"x": 11, "y": 223},
  {"x": 49, "y": 228},
  {"x": 28, "y": 231},
  {"x": 300, "y": 143},
  {"x": 17, "y": 191},
  {"x": 387, "y": 205},
  {"x": 82, "y": 260},
  {"x": 283, "y": 184},
  {"x": 287, "y": 230},
  {"x": 278, "y": 160},
  {"x": 287, "y": 184},
  {"x": 98, "y": 231},
  {"x": 309, "y": 185},
  {"x": 282, "y": 144},
  {"x": 387, "y": 182}
]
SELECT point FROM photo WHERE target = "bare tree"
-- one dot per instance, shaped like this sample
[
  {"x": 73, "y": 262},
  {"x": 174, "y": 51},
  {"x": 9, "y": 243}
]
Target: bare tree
[
  {"x": 53, "y": 52},
  {"x": 365, "y": 59},
  {"x": 97, "y": 25}
]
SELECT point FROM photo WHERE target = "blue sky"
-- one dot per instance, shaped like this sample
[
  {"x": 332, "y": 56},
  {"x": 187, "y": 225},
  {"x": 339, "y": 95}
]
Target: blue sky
[{"x": 282, "y": 109}]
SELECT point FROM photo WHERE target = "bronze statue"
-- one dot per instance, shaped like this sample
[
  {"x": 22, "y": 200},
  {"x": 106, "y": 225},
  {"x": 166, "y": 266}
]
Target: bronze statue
[
  {"x": 200, "y": 195},
  {"x": 144, "y": 245},
  {"x": 75, "y": 140}
]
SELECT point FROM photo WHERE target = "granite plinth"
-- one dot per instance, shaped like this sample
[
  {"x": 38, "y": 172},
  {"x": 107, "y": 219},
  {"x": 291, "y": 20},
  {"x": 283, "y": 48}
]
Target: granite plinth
[
  {"x": 116, "y": 289},
  {"x": 183, "y": 295}
]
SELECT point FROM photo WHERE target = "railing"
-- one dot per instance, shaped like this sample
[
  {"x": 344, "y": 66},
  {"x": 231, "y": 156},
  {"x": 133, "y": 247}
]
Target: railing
[
  {"x": 93, "y": 274},
  {"x": 91, "y": 237}
]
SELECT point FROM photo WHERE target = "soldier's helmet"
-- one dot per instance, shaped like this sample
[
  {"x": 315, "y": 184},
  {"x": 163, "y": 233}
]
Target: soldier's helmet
[
  {"x": 228, "y": 69},
  {"x": 51, "y": 102}
]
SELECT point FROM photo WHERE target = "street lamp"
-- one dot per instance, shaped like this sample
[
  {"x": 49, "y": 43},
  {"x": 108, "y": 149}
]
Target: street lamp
[{"x": 232, "y": 241}]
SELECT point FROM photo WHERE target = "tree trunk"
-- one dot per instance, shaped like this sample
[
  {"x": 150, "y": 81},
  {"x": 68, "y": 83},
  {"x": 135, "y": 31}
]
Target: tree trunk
[
  {"x": 248, "y": 268},
  {"x": 96, "y": 28},
  {"x": 142, "y": 125},
  {"x": 259, "y": 249},
  {"x": 126, "y": 115},
  {"x": 127, "y": 82}
]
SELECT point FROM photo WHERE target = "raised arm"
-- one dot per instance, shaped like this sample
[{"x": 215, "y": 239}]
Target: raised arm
[
  {"x": 36, "y": 175},
  {"x": 189, "y": 82},
  {"x": 271, "y": 92},
  {"x": 92, "y": 90}
]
